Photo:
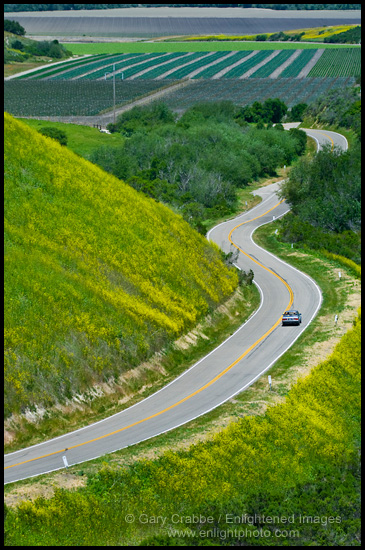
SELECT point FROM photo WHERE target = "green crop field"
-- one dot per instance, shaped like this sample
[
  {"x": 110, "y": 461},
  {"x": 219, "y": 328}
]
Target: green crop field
[
  {"x": 206, "y": 64},
  {"x": 143, "y": 47},
  {"x": 71, "y": 98},
  {"x": 338, "y": 62}
]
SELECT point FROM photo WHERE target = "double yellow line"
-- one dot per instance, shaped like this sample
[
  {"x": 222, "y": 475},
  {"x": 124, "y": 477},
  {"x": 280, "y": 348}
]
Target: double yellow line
[{"x": 203, "y": 387}]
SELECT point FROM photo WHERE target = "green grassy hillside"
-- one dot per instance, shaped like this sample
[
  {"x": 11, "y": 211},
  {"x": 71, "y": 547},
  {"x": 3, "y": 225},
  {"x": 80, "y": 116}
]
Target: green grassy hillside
[
  {"x": 290, "y": 477},
  {"x": 97, "y": 276}
]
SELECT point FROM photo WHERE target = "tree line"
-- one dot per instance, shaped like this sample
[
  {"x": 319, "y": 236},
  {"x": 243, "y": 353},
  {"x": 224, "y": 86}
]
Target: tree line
[{"x": 352, "y": 36}]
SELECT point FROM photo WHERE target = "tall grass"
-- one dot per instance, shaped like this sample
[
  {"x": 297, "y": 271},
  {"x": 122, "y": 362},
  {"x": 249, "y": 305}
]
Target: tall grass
[
  {"x": 97, "y": 276},
  {"x": 300, "y": 460}
]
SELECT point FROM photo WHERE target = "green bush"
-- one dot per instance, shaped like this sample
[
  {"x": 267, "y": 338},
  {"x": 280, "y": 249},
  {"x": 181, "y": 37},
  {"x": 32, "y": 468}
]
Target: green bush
[
  {"x": 54, "y": 133},
  {"x": 17, "y": 45},
  {"x": 14, "y": 27}
]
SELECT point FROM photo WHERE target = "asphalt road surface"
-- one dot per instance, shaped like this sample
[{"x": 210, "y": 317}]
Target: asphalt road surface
[{"x": 226, "y": 371}]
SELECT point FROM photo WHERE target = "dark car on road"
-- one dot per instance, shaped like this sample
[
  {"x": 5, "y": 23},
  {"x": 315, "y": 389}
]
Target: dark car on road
[{"x": 291, "y": 317}]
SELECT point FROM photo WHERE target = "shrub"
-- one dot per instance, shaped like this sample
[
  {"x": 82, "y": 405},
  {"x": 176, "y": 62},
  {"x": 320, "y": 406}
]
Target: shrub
[
  {"x": 54, "y": 133},
  {"x": 14, "y": 27}
]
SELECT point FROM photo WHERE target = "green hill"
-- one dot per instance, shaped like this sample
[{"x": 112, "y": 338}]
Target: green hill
[
  {"x": 17, "y": 48},
  {"x": 97, "y": 276}
]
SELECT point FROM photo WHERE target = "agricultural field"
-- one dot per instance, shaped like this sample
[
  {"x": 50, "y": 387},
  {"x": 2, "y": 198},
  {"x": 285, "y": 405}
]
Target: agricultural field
[
  {"x": 84, "y": 87},
  {"x": 338, "y": 62},
  {"x": 92, "y": 48},
  {"x": 71, "y": 98},
  {"x": 290, "y": 91},
  {"x": 208, "y": 64},
  {"x": 317, "y": 34},
  {"x": 88, "y": 98},
  {"x": 159, "y": 22}
]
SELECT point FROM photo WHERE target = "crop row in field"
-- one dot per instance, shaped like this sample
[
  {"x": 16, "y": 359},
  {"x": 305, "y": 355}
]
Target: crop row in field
[
  {"x": 177, "y": 65},
  {"x": 300, "y": 62},
  {"x": 158, "y": 70},
  {"x": 338, "y": 62},
  {"x": 235, "y": 58},
  {"x": 273, "y": 64},
  {"x": 144, "y": 64},
  {"x": 87, "y": 98},
  {"x": 48, "y": 71},
  {"x": 133, "y": 71}
]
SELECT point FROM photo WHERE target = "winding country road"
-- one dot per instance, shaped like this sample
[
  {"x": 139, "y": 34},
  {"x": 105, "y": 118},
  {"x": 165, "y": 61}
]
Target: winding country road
[{"x": 226, "y": 371}]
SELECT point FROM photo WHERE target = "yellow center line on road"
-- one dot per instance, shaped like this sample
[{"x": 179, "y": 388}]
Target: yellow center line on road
[
  {"x": 327, "y": 136},
  {"x": 258, "y": 263},
  {"x": 200, "y": 389}
]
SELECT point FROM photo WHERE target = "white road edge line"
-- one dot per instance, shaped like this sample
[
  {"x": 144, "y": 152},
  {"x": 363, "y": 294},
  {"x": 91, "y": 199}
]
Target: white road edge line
[{"x": 226, "y": 399}]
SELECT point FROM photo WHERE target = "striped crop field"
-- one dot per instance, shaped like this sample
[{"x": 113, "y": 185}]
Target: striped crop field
[
  {"x": 208, "y": 64},
  {"x": 84, "y": 87},
  {"x": 338, "y": 62}
]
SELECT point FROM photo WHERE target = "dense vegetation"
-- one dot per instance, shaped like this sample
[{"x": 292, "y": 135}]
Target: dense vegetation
[
  {"x": 334, "y": 109},
  {"x": 352, "y": 36},
  {"x": 325, "y": 198},
  {"x": 293, "y": 480},
  {"x": 14, "y": 27},
  {"x": 279, "y": 37},
  {"x": 328, "y": 35},
  {"x": 54, "y": 133},
  {"x": 20, "y": 49},
  {"x": 325, "y": 192},
  {"x": 97, "y": 277},
  {"x": 198, "y": 162},
  {"x": 272, "y": 110}
]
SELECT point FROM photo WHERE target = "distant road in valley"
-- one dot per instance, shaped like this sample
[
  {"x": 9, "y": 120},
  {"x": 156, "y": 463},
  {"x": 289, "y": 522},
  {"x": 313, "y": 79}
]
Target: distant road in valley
[{"x": 226, "y": 371}]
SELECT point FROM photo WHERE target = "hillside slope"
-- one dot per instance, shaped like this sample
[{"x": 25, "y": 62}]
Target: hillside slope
[{"x": 97, "y": 276}]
